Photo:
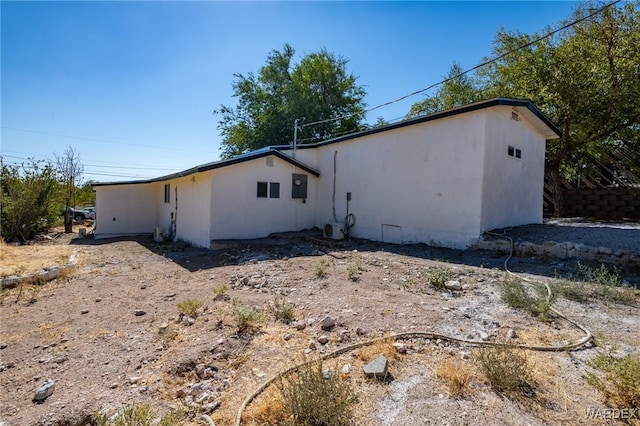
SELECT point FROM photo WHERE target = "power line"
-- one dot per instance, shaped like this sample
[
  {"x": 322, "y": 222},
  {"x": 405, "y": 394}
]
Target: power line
[
  {"x": 104, "y": 167},
  {"x": 98, "y": 140},
  {"x": 118, "y": 165},
  {"x": 487, "y": 62}
]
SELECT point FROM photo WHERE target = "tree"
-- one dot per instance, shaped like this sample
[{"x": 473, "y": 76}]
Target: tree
[
  {"x": 70, "y": 170},
  {"x": 27, "y": 199},
  {"x": 586, "y": 79},
  {"x": 457, "y": 90},
  {"x": 318, "y": 88}
]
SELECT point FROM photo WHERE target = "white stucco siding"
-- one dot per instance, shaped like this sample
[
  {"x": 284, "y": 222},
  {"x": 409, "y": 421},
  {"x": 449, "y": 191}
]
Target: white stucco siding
[
  {"x": 420, "y": 183},
  {"x": 512, "y": 192},
  {"x": 237, "y": 211},
  {"x": 192, "y": 216},
  {"x": 126, "y": 210}
]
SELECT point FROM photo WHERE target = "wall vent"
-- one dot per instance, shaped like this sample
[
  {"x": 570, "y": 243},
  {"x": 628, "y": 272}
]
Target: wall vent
[{"x": 515, "y": 116}]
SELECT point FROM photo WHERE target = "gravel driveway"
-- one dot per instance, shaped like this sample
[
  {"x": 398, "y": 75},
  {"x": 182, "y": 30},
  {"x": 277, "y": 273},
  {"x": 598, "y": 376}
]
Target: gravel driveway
[{"x": 616, "y": 235}]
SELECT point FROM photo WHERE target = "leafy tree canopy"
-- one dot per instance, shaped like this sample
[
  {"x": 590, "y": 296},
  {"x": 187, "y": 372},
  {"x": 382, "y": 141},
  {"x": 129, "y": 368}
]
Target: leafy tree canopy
[
  {"x": 585, "y": 78},
  {"x": 318, "y": 88}
]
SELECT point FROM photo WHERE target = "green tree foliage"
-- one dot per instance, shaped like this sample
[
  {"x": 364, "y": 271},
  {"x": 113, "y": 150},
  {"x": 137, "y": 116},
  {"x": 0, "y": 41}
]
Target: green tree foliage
[
  {"x": 85, "y": 195},
  {"x": 315, "y": 89},
  {"x": 585, "y": 78},
  {"x": 458, "y": 89},
  {"x": 28, "y": 199}
]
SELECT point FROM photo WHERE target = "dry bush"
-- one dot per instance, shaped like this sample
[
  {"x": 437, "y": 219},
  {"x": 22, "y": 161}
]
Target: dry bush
[
  {"x": 189, "y": 306},
  {"x": 382, "y": 346},
  {"x": 267, "y": 409},
  {"x": 621, "y": 381},
  {"x": 506, "y": 369},
  {"x": 283, "y": 310},
  {"x": 456, "y": 377},
  {"x": 311, "y": 397},
  {"x": 531, "y": 298},
  {"x": 438, "y": 276},
  {"x": 246, "y": 317}
]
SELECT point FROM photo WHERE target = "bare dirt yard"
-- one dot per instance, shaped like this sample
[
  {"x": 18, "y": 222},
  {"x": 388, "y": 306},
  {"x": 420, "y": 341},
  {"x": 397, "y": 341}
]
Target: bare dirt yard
[{"x": 187, "y": 331}]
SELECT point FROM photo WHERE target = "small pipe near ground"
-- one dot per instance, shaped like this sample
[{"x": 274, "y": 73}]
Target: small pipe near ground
[{"x": 588, "y": 336}]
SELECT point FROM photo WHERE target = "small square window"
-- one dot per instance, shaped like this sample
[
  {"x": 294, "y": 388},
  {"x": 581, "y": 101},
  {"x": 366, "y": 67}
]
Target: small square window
[
  {"x": 262, "y": 189},
  {"x": 167, "y": 193},
  {"x": 510, "y": 151},
  {"x": 518, "y": 153},
  {"x": 274, "y": 189}
]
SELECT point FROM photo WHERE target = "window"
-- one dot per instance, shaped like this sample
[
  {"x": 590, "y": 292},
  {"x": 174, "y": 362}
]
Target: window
[
  {"x": 274, "y": 189},
  {"x": 167, "y": 193},
  {"x": 262, "y": 189},
  {"x": 299, "y": 186},
  {"x": 514, "y": 152}
]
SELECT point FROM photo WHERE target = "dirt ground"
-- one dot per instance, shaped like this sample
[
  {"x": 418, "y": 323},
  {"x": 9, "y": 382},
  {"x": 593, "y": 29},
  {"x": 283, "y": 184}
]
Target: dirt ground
[{"x": 111, "y": 334}]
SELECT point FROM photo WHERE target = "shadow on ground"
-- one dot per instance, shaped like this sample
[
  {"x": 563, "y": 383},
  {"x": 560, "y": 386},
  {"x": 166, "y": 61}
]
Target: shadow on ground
[{"x": 310, "y": 243}]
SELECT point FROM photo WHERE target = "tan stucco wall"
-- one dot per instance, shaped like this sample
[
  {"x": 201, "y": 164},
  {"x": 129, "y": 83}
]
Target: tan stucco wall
[
  {"x": 512, "y": 188},
  {"x": 126, "y": 209},
  {"x": 237, "y": 212},
  {"x": 422, "y": 181}
]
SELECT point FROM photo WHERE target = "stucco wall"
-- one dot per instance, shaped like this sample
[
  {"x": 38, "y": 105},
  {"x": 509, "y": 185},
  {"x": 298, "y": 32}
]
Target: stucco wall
[
  {"x": 413, "y": 184},
  {"x": 126, "y": 210},
  {"x": 192, "y": 215},
  {"x": 237, "y": 212},
  {"x": 512, "y": 190}
]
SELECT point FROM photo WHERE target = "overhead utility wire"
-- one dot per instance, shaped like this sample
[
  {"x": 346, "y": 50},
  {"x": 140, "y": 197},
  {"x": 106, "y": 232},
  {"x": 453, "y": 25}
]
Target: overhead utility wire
[
  {"x": 121, "y": 165},
  {"x": 562, "y": 28},
  {"x": 101, "y": 166},
  {"x": 99, "y": 140}
]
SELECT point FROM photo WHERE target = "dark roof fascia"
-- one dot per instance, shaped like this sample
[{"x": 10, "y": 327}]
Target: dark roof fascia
[
  {"x": 259, "y": 154},
  {"x": 217, "y": 165},
  {"x": 436, "y": 116}
]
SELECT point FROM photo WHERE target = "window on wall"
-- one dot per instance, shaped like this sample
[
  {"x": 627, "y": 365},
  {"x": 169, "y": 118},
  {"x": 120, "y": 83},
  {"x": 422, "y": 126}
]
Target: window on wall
[
  {"x": 262, "y": 189},
  {"x": 268, "y": 189},
  {"x": 512, "y": 151},
  {"x": 167, "y": 193},
  {"x": 274, "y": 189}
]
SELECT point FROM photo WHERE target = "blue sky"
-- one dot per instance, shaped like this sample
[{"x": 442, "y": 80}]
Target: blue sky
[{"x": 132, "y": 85}]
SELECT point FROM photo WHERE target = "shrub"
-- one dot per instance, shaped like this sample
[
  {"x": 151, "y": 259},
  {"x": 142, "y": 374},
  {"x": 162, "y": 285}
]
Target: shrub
[
  {"x": 321, "y": 268},
  {"x": 141, "y": 415},
  {"x": 456, "y": 376},
  {"x": 537, "y": 302},
  {"x": 438, "y": 276},
  {"x": 189, "y": 306},
  {"x": 247, "y": 318},
  {"x": 220, "y": 292},
  {"x": 283, "y": 311},
  {"x": 621, "y": 381},
  {"x": 353, "y": 270},
  {"x": 595, "y": 284},
  {"x": 313, "y": 398},
  {"x": 506, "y": 369},
  {"x": 601, "y": 275}
]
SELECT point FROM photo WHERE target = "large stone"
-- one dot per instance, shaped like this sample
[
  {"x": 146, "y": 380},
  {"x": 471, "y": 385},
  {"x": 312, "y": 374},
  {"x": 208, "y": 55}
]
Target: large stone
[
  {"x": 327, "y": 323},
  {"x": 453, "y": 285},
  {"x": 377, "y": 368},
  {"x": 45, "y": 391}
]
